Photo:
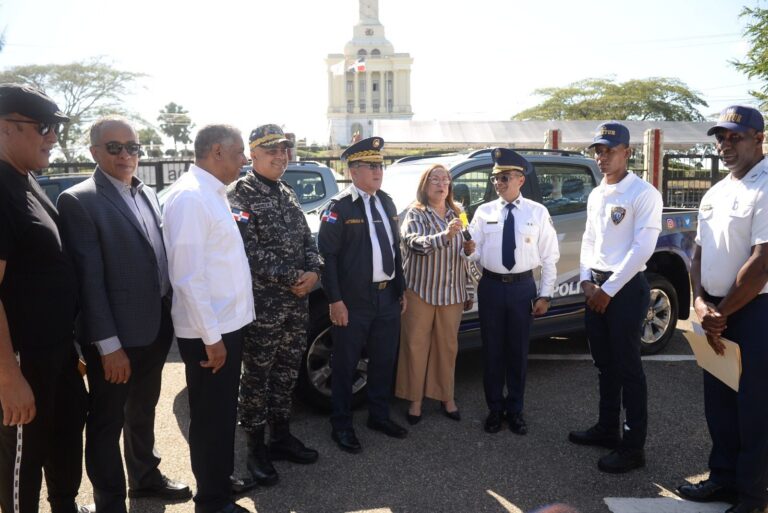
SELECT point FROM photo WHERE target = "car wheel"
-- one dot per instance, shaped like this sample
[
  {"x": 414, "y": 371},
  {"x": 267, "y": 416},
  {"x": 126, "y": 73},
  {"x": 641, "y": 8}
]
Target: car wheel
[
  {"x": 316, "y": 376},
  {"x": 661, "y": 318}
]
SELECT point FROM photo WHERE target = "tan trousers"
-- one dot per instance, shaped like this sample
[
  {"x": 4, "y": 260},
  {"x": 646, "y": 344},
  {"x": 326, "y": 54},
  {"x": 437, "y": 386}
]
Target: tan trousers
[{"x": 428, "y": 347}]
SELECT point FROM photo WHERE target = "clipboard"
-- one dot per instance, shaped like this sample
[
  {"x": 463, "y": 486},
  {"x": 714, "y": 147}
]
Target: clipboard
[{"x": 726, "y": 368}]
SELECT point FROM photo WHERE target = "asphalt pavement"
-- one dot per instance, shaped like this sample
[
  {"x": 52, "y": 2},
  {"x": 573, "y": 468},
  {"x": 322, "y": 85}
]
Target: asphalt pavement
[{"x": 448, "y": 466}]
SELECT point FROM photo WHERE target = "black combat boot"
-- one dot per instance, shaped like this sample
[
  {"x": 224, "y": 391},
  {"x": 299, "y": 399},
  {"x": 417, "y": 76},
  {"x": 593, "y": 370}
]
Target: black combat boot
[
  {"x": 258, "y": 463},
  {"x": 284, "y": 446}
]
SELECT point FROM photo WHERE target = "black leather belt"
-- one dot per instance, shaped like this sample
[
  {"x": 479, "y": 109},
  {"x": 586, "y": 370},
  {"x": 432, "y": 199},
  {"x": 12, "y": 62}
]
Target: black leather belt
[
  {"x": 381, "y": 285},
  {"x": 600, "y": 277},
  {"x": 507, "y": 278}
]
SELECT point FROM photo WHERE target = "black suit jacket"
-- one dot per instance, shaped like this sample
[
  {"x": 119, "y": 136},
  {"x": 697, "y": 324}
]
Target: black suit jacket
[
  {"x": 115, "y": 263},
  {"x": 344, "y": 242}
]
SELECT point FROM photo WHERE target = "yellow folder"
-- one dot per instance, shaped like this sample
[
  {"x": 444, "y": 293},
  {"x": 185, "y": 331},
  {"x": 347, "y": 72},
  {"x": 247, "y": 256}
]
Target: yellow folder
[{"x": 725, "y": 367}]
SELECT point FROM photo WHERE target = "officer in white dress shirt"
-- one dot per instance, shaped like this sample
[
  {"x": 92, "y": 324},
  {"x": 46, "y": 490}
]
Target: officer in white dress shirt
[
  {"x": 513, "y": 236},
  {"x": 729, "y": 276},
  {"x": 623, "y": 225}
]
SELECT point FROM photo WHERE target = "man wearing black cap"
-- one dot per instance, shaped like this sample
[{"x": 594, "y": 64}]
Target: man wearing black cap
[
  {"x": 363, "y": 281},
  {"x": 623, "y": 224},
  {"x": 285, "y": 265},
  {"x": 42, "y": 396},
  {"x": 513, "y": 236},
  {"x": 729, "y": 277}
]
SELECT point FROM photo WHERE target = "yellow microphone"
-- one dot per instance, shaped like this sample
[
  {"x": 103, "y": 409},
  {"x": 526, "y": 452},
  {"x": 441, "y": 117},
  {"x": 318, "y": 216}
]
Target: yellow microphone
[{"x": 465, "y": 223}]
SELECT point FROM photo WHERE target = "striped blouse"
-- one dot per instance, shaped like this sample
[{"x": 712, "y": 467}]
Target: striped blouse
[{"x": 434, "y": 268}]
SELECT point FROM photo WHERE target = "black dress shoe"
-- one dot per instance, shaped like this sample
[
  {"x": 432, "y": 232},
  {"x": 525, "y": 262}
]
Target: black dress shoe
[
  {"x": 517, "y": 424},
  {"x": 346, "y": 440},
  {"x": 453, "y": 415},
  {"x": 290, "y": 448},
  {"x": 387, "y": 427},
  {"x": 412, "y": 419},
  {"x": 622, "y": 460},
  {"x": 242, "y": 484},
  {"x": 493, "y": 422},
  {"x": 596, "y": 435},
  {"x": 167, "y": 490},
  {"x": 708, "y": 491},
  {"x": 233, "y": 508}
]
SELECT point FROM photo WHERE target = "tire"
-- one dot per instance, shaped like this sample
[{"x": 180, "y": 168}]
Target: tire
[
  {"x": 315, "y": 376},
  {"x": 661, "y": 319}
]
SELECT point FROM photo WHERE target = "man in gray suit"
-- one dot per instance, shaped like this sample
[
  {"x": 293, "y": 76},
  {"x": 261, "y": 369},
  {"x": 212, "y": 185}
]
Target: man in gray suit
[{"x": 111, "y": 225}]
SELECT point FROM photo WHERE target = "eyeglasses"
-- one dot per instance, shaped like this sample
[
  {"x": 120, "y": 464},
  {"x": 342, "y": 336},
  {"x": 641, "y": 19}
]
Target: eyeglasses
[
  {"x": 436, "y": 180},
  {"x": 370, "y": 165},
  {"x": 116, "y": 148},
  {"x": 42, "y": 128},
  {"x": 733, "y": 138},
  {"x": 506, "y": 177}
]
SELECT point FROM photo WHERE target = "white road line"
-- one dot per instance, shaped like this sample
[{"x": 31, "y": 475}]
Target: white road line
[
  {"x": 662, "y": 505},
  {"x": 651, "y": 358}
]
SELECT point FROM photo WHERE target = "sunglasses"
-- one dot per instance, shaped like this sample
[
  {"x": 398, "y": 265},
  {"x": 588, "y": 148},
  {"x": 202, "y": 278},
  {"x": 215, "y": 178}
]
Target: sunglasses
[
  {"x": 116, "y": 148},
  {"x": 370, "y": 165},
  {"x": 504, "y": 178},
  {"x": 42, "y": 128}
]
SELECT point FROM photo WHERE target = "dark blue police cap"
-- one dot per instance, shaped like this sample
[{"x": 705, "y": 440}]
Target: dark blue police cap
[
  {"x": 367, "y": 150},
  {"x": 30, "y": 102},
  {"x": 505, "y": 160},
  {"x": 611, "y": 134},
  {"x": 739, "y": 118}
]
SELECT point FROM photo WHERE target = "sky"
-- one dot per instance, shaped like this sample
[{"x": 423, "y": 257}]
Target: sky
[{"x": 248, "y": 63}]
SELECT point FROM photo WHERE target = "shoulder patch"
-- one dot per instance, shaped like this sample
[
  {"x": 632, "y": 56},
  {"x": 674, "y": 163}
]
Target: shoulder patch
[{"x": 241, "y": 216}]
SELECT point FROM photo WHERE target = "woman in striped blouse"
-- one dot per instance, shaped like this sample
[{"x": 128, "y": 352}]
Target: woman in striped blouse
[{"x": 436, "y": 288}]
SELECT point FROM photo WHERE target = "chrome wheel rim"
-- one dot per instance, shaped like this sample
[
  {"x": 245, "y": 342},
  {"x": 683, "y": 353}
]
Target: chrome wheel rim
[
  {"x": 318, "y": 365},
  {"x": 657, "y": 318}
]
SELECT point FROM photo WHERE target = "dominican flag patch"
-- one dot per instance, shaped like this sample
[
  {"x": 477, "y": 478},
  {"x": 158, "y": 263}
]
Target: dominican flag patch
[
  {"x": 240, "y": 216},
  {"x": 329, "y": 217}
]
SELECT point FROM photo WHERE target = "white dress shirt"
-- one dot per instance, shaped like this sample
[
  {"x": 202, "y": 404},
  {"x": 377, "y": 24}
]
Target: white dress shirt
[
  {"x": 378, "y": 265},
  {"x": 535, "y": 240},
  {"x": 206, "y": 259},
  {"x": 733, "y": 217},
  {"x": 623, "y": 225}
]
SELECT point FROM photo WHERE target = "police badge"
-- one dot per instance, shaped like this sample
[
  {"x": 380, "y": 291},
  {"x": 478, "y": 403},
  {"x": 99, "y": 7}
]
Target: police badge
[{"x": 617, "y": 214}]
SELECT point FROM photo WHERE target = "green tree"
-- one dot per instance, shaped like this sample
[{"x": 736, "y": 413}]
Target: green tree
[
  {"x": 151, "y": 141},
  {"x": 84, "y": 90},
  {"x": 176, "y": 124},
  {"x": 756, "y": 63},
  {"x": 655, "y": 98}
]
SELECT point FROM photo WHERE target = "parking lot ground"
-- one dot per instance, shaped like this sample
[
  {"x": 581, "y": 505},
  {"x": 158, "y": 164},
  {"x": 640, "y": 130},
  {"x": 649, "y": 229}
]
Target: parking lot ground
[{"x": 448, "y": 466}]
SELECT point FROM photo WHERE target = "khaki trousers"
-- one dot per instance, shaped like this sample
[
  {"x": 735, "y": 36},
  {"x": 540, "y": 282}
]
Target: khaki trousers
[{"x": 428, "y": 347}]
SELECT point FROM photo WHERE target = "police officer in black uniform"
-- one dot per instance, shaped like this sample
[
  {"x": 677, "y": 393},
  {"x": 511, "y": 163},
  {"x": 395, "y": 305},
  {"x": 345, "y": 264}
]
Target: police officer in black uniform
[{"x": 363, "y": 281}]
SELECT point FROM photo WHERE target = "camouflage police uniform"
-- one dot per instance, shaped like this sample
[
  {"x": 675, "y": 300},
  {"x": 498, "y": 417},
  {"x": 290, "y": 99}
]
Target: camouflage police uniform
[{"x": 279, "y": 246}]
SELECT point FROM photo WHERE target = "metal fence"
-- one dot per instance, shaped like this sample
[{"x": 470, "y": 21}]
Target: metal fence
[{"x": 687, "y": 177}]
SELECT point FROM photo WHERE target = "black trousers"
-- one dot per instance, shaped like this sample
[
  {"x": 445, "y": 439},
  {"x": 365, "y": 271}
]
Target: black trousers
[
  {"x": 213, "y": 415},
  {"x": 128, "y": 408},
  {"x": 614, "y": 341},
  {"x": 52, "y": 441},
  {"x": 505, "y": 327},
  {"x": 376, "y": 328},
  {"x": 738, "y": 421}
]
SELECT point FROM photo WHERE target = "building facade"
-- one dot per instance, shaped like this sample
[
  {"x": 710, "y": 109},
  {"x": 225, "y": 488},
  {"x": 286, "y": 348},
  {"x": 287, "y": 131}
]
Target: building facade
[{"x": 368, "y": 81}]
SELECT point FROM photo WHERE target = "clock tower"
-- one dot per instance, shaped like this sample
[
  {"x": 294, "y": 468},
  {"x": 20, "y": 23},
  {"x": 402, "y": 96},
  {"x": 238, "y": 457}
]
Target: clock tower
[{"x": 368, "y": 81}]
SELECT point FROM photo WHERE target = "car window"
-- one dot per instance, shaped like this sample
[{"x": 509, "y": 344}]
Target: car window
[
  {"x": 564, "y": 189},
  {"x": 308, "y": 185},
  {"x": 471, "y": 188},
  {"x": 52, "y": 190}
]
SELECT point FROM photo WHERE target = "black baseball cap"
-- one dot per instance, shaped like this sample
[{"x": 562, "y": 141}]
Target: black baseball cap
[{"x": 30, "y": 102}]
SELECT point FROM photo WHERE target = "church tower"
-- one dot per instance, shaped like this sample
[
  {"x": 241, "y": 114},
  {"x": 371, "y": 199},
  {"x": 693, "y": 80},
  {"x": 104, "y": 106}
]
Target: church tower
[{"x": 368, "y": 81}]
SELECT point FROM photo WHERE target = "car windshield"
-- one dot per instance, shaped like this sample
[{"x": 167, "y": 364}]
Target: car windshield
[{"x": 401, "y": 180}]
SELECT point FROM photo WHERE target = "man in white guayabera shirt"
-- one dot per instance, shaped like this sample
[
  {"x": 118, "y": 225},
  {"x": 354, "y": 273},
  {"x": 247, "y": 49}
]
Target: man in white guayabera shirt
[{"x": 212, "y": 302}]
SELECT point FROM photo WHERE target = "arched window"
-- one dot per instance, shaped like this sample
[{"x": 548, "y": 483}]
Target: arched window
[
  {"x": 375, "y": 53},
  {"x": 361, "y": 53}
]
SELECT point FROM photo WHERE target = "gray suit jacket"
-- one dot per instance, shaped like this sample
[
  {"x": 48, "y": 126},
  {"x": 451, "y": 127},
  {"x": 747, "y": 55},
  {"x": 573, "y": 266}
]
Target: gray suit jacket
[{"x": 115, "y": 263}]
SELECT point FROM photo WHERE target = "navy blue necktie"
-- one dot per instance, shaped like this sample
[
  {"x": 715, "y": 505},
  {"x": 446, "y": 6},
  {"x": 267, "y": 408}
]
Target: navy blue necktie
[
  {"x": 381, "y": 233},
  {"x": 508, "y": 243}
]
